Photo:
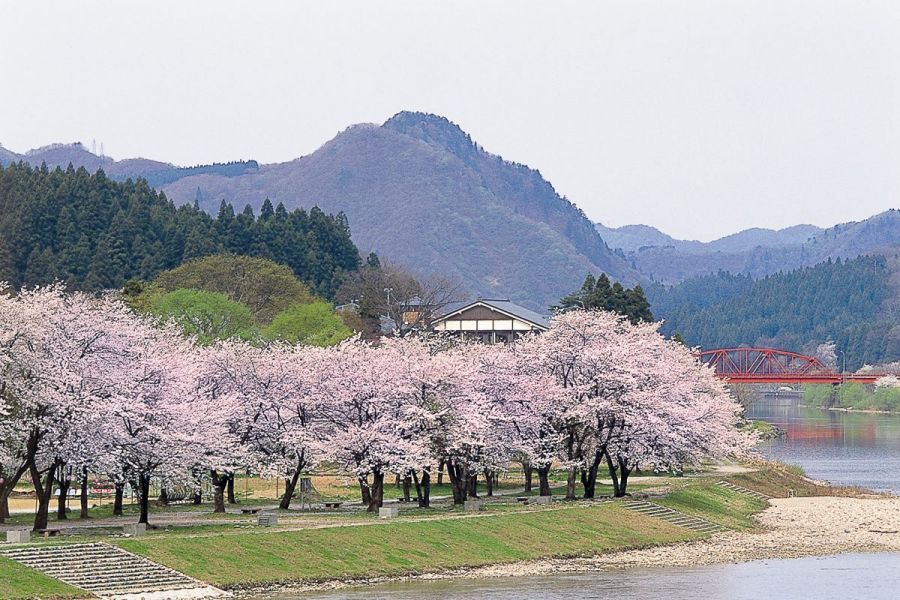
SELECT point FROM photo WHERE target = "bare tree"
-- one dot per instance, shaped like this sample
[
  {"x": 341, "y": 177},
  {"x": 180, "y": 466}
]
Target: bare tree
[{"x": 390, "y": 297}]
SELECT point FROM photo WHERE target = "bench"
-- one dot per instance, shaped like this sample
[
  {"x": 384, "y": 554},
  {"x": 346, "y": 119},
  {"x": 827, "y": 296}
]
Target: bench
[
  {"x": 416, "y": 499},
  {"x": 522, "y": 499},
  {"x": 249, "y": 511},
  {"x": 333, "y": 504},
  {"x": 49, "y": 532}
]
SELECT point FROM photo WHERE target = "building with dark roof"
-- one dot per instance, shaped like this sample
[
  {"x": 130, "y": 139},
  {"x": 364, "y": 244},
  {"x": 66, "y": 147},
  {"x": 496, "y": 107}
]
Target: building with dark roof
[{"x": 491, "y": 320}]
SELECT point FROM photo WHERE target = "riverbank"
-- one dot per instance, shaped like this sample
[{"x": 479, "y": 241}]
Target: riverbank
[
  {"x": 322, "y": 551},
  {"x": 789, "y": 528}
]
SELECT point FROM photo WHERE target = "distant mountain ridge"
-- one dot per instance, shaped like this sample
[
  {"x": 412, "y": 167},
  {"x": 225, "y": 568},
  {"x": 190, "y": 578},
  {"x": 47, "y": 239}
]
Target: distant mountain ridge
[
  {"x": 633, "y": 238},
  {"x": 155, "y": 172},
  {"x": 419, "y": 191},
  {"x": 755, "y": 252}
]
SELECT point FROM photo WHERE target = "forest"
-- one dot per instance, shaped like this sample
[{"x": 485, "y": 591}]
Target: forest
[
  {"x": 852, "y": 303},
  {"x": 95, "y": 233}
]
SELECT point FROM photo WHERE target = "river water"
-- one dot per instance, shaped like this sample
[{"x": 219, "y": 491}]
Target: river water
[
  {"x": 843, "y": 448},
  {"x": 846, "y": 577},
  {"x": 849, "y": 449}
]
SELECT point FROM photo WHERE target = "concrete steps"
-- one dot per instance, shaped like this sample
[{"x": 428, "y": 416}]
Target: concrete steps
[
  {"x": 673, "y": 516},
  {"x": 745, "y": 491},
  {"x": 110, "y": 572}
]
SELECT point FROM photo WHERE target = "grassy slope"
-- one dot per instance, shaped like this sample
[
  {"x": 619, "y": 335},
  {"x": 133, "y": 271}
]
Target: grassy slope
[
  {"x": 715, "y": 503},
  {"x": 17, "y": 581},
  {"x": 398, "y": 548}
]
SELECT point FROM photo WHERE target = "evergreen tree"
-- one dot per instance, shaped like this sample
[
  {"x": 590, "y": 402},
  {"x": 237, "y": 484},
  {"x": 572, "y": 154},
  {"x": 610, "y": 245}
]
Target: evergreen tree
[
  {"x": 599, "y": 294},
  {"x": 95, "y": 233}
]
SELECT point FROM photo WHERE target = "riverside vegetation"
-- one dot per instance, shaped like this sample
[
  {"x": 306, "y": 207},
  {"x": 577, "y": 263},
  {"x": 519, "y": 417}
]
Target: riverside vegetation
[{"x": 883, "y": 397}]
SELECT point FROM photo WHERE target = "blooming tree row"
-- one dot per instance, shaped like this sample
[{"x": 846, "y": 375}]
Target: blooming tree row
[{"x": 86, "y": 386}]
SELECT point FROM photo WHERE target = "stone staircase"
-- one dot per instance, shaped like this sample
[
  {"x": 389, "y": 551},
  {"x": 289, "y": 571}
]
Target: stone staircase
[
  {"x": 110, "y": 572},
  {"x": 673, "y": 516},
  {"x": 745, "y": 491}
]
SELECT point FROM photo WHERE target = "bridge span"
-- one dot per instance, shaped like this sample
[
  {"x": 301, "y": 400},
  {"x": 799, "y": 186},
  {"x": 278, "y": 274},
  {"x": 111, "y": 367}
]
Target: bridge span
[{"x": 768, "y": 365}]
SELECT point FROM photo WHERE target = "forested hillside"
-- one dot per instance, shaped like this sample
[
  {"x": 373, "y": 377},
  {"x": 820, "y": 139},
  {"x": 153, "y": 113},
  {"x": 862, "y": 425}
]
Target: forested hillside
[
  {"x": 855, "y": 303},
  {"x": 96, "y": 233}
]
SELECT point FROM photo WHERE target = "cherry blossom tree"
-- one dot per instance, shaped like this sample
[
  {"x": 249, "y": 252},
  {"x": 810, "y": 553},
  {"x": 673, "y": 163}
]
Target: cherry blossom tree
[
  {"x": 272, "y": 394},
  {"x": 87, "y": 386},
  {"x": 363, "y": 389},
  {"x": 59, "y": 361}
]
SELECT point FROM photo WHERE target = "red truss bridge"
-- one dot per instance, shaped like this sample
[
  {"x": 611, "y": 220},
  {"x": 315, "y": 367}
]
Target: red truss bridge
[{"x": 767, "y": 365}]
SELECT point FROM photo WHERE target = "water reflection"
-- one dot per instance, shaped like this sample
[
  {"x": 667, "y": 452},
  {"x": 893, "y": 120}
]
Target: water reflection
[
  {"x": 847, "y": 577},
  {"x": 846, "y": 448}
]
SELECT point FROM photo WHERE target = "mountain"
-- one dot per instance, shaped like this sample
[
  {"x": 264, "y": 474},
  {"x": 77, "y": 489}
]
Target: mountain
[
  {"x": 417, "y": 190},
  {"x": 634, "y": 237},
  {"x": 755, "y": 252},
  {"x": 639, "y": 238}
]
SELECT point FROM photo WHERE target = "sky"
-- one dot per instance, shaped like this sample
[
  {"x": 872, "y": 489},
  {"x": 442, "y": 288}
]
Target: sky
[{"x": 699, "y": 118}]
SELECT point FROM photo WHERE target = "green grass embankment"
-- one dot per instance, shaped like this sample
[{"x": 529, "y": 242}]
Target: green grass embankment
[
  {"x": 398, "y": 548},
  {"x": 715, "y": 503},
  {"x": 19, "y": 582}
]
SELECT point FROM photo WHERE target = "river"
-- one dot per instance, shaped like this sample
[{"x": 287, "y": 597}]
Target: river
[
  {"x": 846, "y": 577},
  {"x": 843, "y": 448}
]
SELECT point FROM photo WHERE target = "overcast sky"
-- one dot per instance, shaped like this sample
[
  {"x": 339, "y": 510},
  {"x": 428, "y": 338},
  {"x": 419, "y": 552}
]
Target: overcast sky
[{"x": 700, "y": 118}]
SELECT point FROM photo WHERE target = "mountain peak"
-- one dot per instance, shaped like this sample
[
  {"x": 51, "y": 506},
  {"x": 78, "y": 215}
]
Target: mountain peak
[{"x": 433, "y": 129}]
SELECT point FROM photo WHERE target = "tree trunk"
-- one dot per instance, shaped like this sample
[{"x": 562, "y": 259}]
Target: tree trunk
[
  {"x": 570, "y": 483},
  {"x": 231, "y": 498},
  {"x": 144, "y": 497},
  {"x": 425, "y": 496},
  {"x": 472, "y": 487},
  {"x": 6, "y": 488},
  {"x": 544, "y": 480},
  {"x": 423, "y": 488},
  {"x": 589, "y": 478},
  {"x": 163, "y": 499},
  {"x": 440, "y": 478},
  {"x": 84, "y": 494},
  {"x": 64, "y": 485},
  {"x": 8, "y": 481},
  {"x": 456, "y": 473},
  {"x": 117, "y": 503},
  {"x": 528, "y": 470},
  {"x": 406, "y": 483},
  {"x": 489, "y": 481},
  {"x": 43, "y": 489},
  {"x": 220, "y": 482},
  {"x": 198, "y": 482},
  {"x": 364, "y": 490},
  {"x": 377, "y": 490},
  {"x": 290, "y": 485},
  {"x": 614, "y": 476},
  {"x": 624, "y": 472},
  {"x": 418, "y": 485}
]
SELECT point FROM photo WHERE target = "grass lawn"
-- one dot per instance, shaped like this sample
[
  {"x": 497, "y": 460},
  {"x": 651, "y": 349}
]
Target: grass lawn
[
  {"x": 18, "y": 581},
  {"x": 715, "y": 503},
  {"x": 396, "y": 548}
]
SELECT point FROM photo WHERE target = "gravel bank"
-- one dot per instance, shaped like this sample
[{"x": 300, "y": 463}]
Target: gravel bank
[{"x": 791, "y": 528}]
